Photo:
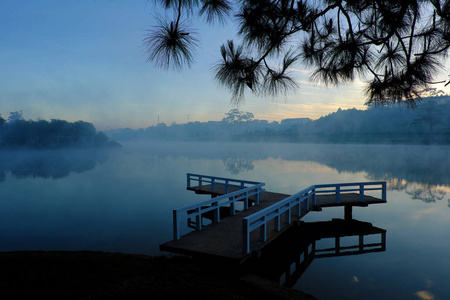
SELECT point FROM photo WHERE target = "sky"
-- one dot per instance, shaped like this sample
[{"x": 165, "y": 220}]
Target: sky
[{"x": 85, "y": 60}]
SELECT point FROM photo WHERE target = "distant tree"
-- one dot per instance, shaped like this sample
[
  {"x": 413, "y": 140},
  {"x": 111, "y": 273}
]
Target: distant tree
[
  {"x": 2, "y": 121},
  {"x": 430, "y": 114},
  {"x": 101, "y": 139},
  {"x": 236, "y": 116},
  {"x": 397, "y": 46},
  {"x": 54, "y": 134},
  {"x": 14, "y": 116}
]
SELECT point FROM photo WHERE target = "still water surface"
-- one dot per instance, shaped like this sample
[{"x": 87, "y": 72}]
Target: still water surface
[{"x": 121, "y": 200}]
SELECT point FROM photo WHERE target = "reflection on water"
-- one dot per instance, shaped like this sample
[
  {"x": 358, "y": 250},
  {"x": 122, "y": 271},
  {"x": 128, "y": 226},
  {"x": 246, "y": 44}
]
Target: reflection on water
[
  {"x": 53, "y": 164},
  {"x": 426, "y": 192},
  {"x": 286, "y": 260},
  {"x": 236, "y": 165},
  {"x": 399, "y": 165},
  {"x": 123, "y": 200},
  {"x": 421, "y": 171}
]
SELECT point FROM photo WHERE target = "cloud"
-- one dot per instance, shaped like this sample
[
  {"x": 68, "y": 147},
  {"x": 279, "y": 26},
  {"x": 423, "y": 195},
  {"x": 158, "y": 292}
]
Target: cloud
[
  {"x": 425, "y": 295},
  {"x": 430, "y": 283},
  {"x": 424, "y": 212}
]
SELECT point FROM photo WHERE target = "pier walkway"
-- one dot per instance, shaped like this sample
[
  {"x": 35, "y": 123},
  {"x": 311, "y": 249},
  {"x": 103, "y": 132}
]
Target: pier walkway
[{"x": 235, "y": 234}]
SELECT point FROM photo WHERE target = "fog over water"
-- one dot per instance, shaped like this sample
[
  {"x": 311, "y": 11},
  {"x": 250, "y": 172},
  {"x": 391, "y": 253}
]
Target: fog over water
[{"x": 122, "y": 200}]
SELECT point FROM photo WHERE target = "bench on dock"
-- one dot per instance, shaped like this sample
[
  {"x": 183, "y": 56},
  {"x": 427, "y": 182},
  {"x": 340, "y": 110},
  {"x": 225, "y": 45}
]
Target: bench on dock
[{"x": 236, "y": 236}]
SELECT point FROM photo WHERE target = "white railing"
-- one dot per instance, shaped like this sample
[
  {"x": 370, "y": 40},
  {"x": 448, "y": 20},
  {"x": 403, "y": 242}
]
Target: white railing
[
  {"x": 301, "y": 202},
  {"x": 216, "y": 181},
  {"x": 360, "y": 187},
  {"x": 196, "y": 210}
]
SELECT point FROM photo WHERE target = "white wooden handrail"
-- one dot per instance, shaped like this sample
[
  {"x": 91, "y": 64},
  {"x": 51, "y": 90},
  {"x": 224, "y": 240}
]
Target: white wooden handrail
[
  {"x": 305, "y": 198},
  {"x": 214, "y": 204}
]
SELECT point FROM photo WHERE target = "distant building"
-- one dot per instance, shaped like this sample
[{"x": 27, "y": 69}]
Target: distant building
[{"x": 294, "y": 121}]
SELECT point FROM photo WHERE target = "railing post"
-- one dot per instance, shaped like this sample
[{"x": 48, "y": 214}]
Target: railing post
[
  {"x": 242, "y": 185},
  {"x": 188, "y": 179},
  {"x": 232, "y": 207},
  {"x": 216, "y": 212},
  {"x": 338, "y": 194},
  {"x": 288, "y": 216},
  {"x": 276, "y": 222},
  {"x": 263, "y": 230},
  {"x": 198, "y": 219},
  {"x": 246, "y": 201},
  {"x": 199, "y": 181},
  {"x": 314, "y": 196},
  {"x": 383, "y": 191},
  {"x": 307, "y": 202},
  {"x": 212, "y": 184},
  {"x": 361, "y": 192},
  {"x": 245, "y": 236},
  {"x": 258, "y": 196},
  {"x": 176, "y": 233},
  {"x": 226, "y": 186}
]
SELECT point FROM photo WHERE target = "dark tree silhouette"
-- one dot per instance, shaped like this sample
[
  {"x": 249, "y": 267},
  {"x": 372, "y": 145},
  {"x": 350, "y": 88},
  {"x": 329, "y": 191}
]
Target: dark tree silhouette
[
  {"x": 236, "y": 116},
  {"x": 41, "y": 134},
  {"x": 397, "y": 46}
]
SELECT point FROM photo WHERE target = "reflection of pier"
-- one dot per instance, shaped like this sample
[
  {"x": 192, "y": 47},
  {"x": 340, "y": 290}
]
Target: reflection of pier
[
  {"x": 256, "y": 217},
  {"x": 287, "y": 259}
]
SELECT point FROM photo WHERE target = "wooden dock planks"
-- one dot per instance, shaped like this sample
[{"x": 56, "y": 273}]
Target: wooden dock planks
[{"x": 224, "y": 239}]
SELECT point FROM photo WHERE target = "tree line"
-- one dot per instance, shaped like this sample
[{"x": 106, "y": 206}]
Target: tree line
[
  {"x": 428, "y": 123},
  {"x": 16, "y": 132}
]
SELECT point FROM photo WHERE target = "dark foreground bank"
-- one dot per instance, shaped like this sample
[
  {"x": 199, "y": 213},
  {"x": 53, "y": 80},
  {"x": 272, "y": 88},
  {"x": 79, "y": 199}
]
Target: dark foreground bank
[{"x": 102, "y": 275}]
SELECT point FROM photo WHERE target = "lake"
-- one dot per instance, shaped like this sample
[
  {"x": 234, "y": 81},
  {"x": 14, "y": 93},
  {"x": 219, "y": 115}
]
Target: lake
[{"x": 121, "y": 200}]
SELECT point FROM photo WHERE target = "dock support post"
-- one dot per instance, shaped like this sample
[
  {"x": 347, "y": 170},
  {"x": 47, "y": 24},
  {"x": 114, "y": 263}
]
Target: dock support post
[
  {"x": 383, "y": 191},
  {"x": 338, "y": 194},
  {"x": 348, "y": 213},
  {"x": 176, "y": 234},
  {"x": 245, "y": 236},
  {"x": 337, "y": 244}
]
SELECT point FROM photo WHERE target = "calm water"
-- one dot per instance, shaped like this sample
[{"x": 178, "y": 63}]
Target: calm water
[{"x": 121, "y": 200}]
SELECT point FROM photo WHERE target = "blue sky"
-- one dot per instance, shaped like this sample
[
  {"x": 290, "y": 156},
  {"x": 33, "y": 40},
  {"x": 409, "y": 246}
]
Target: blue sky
[{"x": 84, "y": 60}]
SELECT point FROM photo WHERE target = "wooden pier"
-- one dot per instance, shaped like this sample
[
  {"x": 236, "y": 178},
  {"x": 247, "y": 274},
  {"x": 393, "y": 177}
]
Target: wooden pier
[{"x": 265, "y": 215}]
